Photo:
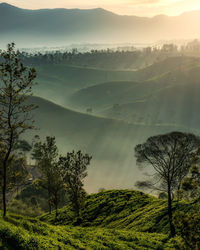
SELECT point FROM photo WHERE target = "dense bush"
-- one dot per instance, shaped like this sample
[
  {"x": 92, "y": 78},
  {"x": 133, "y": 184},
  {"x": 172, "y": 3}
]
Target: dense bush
[{"x": 188, "y": 228}]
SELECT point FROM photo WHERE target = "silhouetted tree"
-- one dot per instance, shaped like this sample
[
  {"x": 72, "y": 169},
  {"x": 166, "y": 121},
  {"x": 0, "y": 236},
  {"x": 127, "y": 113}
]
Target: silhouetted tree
[
  {"x": 170, "y": 155},
  {"x": 16, "y": 83}
]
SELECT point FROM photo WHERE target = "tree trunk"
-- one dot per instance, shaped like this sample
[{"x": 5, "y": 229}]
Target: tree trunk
[
  {"x": 56, "y": 203},
  {"x": 49, "y": 196},
  {"x": 4, "y": 187},
  {"x": 172, "y": 228},
  {"x": 56, "y": 210}
]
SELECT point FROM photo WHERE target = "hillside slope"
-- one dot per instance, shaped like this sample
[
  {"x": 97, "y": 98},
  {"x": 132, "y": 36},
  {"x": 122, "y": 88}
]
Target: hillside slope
[
  {"x": 110, "y": 142},
  {"x": 56, "y": 82},
  {"x": 175, "y": 104},
  {"x": 105, "y": 95},
  {"x": 120, "y": 209},
  {"x": 27, "y": 233},
  {"x": 82, "y": 87}
]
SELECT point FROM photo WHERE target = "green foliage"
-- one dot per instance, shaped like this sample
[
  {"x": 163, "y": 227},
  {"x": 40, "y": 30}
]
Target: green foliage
[
  {"x": 16, "y": 82},
  {"x": 23, "y": 146},
  {"x": 26, "y": 207},
  {"x": 120, "y": 209},
  {"x": 74, "y": 169},
  {"x": 19, "y": 232},
  {"x": 190, "y": 188},
  {"x": 170, "y": 155},
  {"x": 46, "y": 156},
  {"x": 188, "y": 228}
]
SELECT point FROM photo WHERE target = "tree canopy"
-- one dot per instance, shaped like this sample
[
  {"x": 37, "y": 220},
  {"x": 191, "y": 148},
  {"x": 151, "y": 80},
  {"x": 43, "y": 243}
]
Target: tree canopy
[{"x": 171, "y": 156}]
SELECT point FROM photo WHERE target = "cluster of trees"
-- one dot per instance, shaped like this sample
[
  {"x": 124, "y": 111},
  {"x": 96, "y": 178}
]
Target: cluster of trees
[
  {"x": 57, "y": 172},
  {"x": 127, "y": 56},
  {"x": 95, "y": 58},
  {"x": 61, "y": 173}
]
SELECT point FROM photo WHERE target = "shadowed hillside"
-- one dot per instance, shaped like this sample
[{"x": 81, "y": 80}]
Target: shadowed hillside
[
  {"x": 82, "y": 88},
  {"x": 109, "y": 141},
  {"x": 57, "y": 82}
]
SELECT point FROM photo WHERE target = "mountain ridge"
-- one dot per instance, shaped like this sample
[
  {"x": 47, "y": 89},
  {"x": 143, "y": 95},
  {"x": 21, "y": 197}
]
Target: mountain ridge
[
  {"x": 7, "y": 5},
  {"x": 61, "y": 26}
]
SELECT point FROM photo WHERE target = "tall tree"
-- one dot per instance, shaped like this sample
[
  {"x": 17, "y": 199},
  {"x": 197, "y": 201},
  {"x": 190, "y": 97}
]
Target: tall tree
[
  {"x": 74, "y": 167},
  {"x": 46, "y": 156},
  {"x": 170, "y": 155},
  {"x": 16, "y": 83}
]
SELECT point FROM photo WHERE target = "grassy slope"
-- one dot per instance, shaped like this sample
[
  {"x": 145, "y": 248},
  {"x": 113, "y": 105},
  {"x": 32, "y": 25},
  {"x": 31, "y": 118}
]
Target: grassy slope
[
  {"x": 24, "y": 233},
  {"x": 167, "y": 65},
  {"x": 177, "y": 104},
  {"x": 105, "y": 95},
  {"x": 120, "y": 209},
  {"x": 116, "y": 219},
  {"x": 169, "y": 98},
  {"x": 58, "y": 81},
  {"x": 171, "y": 73}
]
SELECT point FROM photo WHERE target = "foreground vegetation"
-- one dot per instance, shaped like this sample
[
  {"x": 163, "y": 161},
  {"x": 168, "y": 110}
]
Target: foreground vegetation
[
  {"x": 114, "y": 219},
  {"x": 120, "y": 209},
  {"x": 25, "y": 233}
]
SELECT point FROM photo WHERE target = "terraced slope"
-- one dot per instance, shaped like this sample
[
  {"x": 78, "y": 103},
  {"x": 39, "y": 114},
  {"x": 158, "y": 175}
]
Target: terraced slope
[
  {"x": 30, "y": 234},
  {"x": 120, "y": 209}
]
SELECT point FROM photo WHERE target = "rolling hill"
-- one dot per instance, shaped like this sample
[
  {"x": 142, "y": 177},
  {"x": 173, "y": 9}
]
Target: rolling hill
[
  {"x": 61, "y": 26},
  {"x": 109, "y": 141},
  {"x": 120, "y": 209},
  {"x": 28, "y": 233},
  {"x": 127, "y": 108},
  {"x": 113, "y": 219},
  {"x": 166, "y": 93},
  {"x": 79, "y": 87},
  {"x": 57, "y": 82},
  {"x": 105, "y": 95},
  {"x": 173, "y": 105}
]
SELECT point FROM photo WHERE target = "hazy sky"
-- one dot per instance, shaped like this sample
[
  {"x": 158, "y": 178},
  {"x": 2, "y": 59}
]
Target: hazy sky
[{"x": 129, "y": 7}]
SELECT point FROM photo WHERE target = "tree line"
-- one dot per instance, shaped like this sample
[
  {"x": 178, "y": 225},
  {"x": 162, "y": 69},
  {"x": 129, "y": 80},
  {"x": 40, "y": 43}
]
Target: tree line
[{"x": 61, "y": 173}]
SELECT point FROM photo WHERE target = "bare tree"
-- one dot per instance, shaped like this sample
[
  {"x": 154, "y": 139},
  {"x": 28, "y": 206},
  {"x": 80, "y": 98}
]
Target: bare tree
[
  {"x": 16, "y": 83},
  {"x": 170, "y": 155}
]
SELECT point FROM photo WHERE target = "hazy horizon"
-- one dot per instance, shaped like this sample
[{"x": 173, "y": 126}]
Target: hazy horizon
[{"x": 147, "y": 8}]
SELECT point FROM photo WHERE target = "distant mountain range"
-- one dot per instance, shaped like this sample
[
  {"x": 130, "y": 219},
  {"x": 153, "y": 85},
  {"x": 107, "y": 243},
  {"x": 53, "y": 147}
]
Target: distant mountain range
[{"x": 61, "y": 26}]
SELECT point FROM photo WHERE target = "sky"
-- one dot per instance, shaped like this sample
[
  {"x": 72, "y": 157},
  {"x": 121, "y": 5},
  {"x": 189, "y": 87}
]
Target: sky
[{"x": 122, "y": 7}]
